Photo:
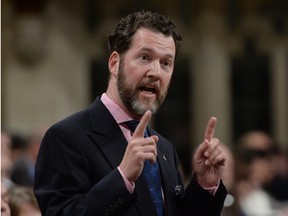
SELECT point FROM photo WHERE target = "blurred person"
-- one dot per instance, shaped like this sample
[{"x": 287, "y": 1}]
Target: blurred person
[
  {"x": 6, "y": 157},
  {"x": 22, "y": 201},
  {"x": 24, "y": 165},
  {"x": 278, "y": 186},
  {"x": 19, "y": 146},
  {"x": 255, "y": 163},
  {"x": 276, "y": 183},
  {"x": 99, "y": 161},
  {"x": 5, "y": 209}
]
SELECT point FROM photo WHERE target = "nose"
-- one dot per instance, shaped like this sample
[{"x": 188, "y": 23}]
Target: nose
[{"x": 154, "y": 70}]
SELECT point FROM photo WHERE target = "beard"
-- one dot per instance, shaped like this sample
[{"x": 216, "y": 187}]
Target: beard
[{"x": 130, "y": 98}]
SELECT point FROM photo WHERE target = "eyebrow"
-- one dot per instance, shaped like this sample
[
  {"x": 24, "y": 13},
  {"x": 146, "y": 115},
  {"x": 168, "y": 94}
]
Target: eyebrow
[{"x": 146, "y": 49}]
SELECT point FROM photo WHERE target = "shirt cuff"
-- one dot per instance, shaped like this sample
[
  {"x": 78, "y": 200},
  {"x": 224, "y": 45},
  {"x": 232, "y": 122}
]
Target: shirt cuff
[
  {"x": 129, "y": 185},
  {"x": 212, "y": 190}
]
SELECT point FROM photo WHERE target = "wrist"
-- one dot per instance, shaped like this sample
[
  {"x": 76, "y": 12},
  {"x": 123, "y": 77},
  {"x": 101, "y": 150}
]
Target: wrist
[
  {"x": 205, "y": 182},
  {"x": 130, "y": 185}
]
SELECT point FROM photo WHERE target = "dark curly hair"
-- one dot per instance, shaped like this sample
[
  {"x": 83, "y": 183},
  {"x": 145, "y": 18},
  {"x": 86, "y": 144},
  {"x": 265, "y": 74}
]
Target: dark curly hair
[{"x": 120, "y": 38}]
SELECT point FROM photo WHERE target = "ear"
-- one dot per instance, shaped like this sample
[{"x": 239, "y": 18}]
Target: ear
[{"x": 113, "y": 64}]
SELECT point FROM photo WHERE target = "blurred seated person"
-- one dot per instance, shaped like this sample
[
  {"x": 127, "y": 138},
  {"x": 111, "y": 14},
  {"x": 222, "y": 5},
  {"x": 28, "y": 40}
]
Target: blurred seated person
[
  {"x": 24, "y": 164},
  {"x": 22, "y": 201},
  {"x": 256, "y": 172},
  {"x": 6, "y": 156},
  {"x": 5, "y": 209}
]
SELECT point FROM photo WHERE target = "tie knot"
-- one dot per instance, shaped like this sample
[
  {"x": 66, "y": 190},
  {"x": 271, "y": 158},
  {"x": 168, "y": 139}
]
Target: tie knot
[{"x": 132, "y": 125}]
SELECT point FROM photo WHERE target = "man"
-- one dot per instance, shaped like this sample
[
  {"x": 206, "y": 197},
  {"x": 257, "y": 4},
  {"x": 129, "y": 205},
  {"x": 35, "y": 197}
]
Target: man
[{"x": 93, "y": 162}]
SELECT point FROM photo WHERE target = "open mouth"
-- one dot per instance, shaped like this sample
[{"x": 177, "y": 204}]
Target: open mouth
[{"x": 148, "y": 89}]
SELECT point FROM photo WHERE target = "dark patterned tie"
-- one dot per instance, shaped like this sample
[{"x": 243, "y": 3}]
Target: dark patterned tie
[{"x": 152, "y": 175}]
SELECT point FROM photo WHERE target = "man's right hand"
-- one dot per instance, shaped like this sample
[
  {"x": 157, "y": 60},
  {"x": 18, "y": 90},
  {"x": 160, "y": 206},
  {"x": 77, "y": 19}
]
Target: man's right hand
[{"x": 139, "y": 149}]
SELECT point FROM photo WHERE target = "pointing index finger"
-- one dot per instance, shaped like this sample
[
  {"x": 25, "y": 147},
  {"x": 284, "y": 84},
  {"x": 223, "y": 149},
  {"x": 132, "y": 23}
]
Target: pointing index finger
[
  {"x": 210, "y": 129},
  {"x": 140, "y": 130}
]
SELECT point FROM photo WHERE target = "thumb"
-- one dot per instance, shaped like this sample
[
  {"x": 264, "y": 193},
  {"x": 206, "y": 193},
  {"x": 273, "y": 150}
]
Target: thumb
[{"x": 156, "y": 138}]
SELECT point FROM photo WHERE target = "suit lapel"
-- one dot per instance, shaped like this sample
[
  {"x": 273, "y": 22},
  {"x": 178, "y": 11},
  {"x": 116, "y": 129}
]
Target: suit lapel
[
  {"x": 112, "y": 149},
  {"x": 163, "y": 158},
  {"x": 106, "y": 134}
]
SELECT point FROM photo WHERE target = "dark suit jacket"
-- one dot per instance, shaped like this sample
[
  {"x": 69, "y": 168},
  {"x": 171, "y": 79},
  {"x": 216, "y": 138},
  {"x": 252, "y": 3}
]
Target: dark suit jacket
[{"x": 76, "y": 173}]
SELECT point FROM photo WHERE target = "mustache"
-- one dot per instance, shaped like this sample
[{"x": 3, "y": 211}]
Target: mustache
[{"x": 151, "y": 84}]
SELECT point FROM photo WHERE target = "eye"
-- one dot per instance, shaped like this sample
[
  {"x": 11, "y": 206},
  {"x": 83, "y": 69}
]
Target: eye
[
  {"x": 144, "y": 58},
  {"x": 167, "y": 64}
]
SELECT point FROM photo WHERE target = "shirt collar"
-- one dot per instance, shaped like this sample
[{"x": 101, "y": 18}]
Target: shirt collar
[{"x": 116, "y": 111}]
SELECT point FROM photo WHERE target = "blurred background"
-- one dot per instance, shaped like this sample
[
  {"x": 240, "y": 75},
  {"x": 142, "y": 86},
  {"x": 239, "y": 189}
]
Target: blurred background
[{"x": 233, "y": 64}]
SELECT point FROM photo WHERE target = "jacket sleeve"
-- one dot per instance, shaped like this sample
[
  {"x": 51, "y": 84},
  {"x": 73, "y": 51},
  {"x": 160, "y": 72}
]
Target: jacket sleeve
[
  {"x": 64, "y": 184},
  {"x": 201, "y": 202}
]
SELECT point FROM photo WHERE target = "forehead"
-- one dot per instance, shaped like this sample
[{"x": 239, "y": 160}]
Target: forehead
[{"x": 154, "y": 41}]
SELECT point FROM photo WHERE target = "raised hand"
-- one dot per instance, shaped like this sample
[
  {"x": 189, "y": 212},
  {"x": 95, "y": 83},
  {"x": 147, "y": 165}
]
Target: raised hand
[
  {"x": 139, "y": 149},
  {"x": 209, "y": 158}
]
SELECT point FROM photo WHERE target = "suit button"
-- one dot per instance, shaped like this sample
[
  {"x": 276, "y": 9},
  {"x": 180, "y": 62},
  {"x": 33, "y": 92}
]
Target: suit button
[{"x": 113, "y": 206}]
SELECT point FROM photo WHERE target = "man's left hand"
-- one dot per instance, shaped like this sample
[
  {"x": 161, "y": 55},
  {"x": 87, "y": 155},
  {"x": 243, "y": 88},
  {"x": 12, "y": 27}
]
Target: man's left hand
[{"x": 209, "y": 158}]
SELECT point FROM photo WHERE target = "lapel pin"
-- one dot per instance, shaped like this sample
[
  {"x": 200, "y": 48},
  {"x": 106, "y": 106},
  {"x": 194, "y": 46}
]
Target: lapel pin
[
  {"x": 178, "y": 189},
  {"x": 164, "y": 157}
]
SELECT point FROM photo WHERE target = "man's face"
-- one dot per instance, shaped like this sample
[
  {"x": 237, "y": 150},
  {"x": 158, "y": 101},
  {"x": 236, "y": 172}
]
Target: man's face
[{"x": 145, "y": 71}]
